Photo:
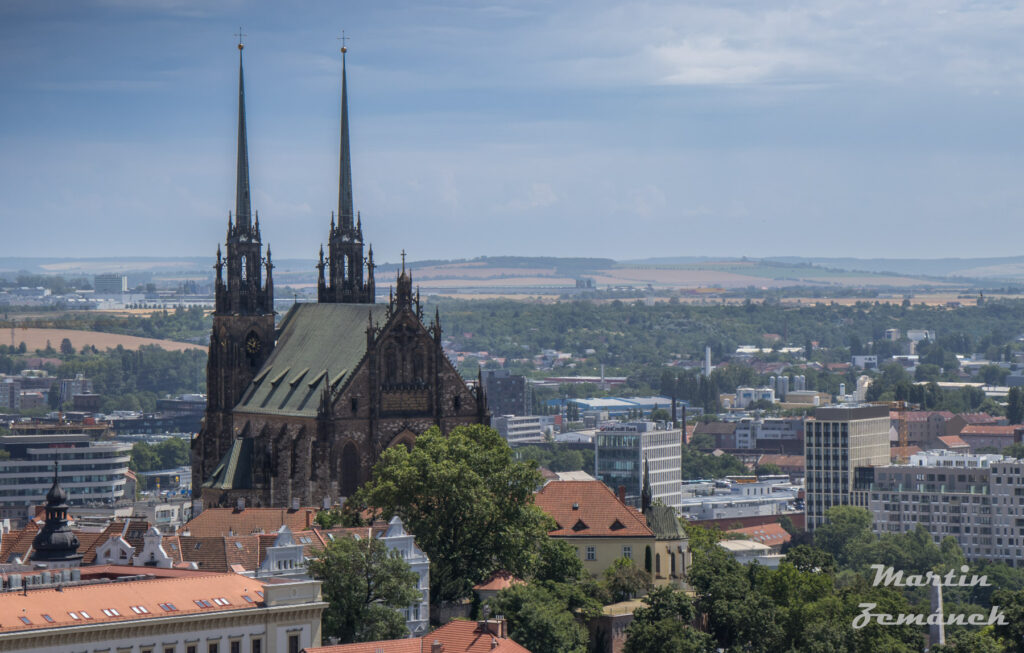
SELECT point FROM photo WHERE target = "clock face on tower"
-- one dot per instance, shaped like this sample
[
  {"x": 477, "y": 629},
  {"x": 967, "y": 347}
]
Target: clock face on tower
[{"x": 253, "y": 344}]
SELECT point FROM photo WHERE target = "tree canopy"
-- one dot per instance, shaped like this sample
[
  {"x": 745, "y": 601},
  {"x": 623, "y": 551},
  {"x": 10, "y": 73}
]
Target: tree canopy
[
  {"x": 365, "y": 585},
  {"x": 469, "y": 504}
]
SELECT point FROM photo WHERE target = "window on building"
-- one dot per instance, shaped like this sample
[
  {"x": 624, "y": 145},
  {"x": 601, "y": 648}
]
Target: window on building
[
  {"x": 191, "y": 648},
  {"x": 591, "y": 553},
  {"x": 293, "y": 643},
  {"x": 627, "y": 552},
  {"x": 256, "y": 646},
  {"x": 213, "y": 647},
  {"x": 236, "y": 646}
]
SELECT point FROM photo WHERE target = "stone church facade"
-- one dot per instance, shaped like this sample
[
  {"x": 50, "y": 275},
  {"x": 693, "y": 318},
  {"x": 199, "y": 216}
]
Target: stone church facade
[{"x": 301, "y": 412}]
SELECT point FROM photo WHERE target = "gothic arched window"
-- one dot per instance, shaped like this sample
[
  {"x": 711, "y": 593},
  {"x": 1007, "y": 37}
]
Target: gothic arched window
[
  {"x": 349, "y": 469},
  {"x": 245, "y": 268}
]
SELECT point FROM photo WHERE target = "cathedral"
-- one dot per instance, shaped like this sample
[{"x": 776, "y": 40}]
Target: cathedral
[{"x": 299, "y": 412}]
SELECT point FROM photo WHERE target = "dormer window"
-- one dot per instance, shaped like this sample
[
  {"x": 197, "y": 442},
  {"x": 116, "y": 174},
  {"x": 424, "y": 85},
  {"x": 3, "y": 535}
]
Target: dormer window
[
  {"x": 617, "y": 525},
  {"x": 579, "y": 525}
]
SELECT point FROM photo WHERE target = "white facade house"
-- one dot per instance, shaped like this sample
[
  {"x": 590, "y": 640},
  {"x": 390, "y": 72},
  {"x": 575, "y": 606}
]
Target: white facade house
[{"x": 417, "y": 615}]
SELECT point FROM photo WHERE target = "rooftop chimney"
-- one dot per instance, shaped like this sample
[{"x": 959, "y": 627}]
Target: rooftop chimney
[
  {"x": 295, "y": 503},
  {"x": 622, "y": 493},
  {"x": 496, "y": 627},
  {"x": 240, "y": 504},
  {"x": 437, "y": 647}
]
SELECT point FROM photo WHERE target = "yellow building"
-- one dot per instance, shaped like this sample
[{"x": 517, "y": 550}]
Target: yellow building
[{"x": 603, "y": 529}]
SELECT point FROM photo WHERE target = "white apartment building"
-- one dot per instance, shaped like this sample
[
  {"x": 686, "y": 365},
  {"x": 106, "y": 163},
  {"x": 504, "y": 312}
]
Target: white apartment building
[
  {"x": 951, "y": 494},
  {"x": 837, "y": 440}
]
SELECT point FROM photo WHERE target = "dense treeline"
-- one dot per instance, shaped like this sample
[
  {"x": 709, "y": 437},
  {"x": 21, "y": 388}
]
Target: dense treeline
[
  {"x": 167, "y": 454},
  {"x": 125, "y": 380},
  {"x": 627, "y": 336}
]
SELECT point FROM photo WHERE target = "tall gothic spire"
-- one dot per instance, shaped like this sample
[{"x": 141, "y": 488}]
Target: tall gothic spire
[
  {"x": 345, "y": 174},
  {"x": 243, "y": 212}
]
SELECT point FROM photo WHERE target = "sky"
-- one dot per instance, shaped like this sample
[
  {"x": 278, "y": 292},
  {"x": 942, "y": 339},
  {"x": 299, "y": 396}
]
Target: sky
[{"x": 529, "y": 128}]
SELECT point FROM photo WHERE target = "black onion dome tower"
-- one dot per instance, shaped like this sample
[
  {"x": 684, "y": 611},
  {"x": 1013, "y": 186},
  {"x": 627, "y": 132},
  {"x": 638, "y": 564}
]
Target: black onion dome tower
[{"x": 55, "y": 545}]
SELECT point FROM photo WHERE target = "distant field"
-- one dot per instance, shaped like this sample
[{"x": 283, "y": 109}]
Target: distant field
[{"x": 37, "y": 338}]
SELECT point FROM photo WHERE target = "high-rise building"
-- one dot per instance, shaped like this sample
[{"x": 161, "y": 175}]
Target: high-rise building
[
  {"x": 950, "y": 494},
  {"x": 837, "y": 440},
  {"x": 507, "y": 394},
  {"x": 623, "y": 452}
]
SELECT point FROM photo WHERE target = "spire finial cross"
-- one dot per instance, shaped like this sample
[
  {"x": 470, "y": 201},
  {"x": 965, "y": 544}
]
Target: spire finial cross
[
  {"x": 344, "y": 40},
  {"x": 240, "y": 34},
  {"x": 403, "y": 260}
]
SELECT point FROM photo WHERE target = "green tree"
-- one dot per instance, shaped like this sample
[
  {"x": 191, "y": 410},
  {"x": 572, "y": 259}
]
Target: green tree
[
  {"x": 1011, "y": 604},
  {"x": 993, "y": 374},
  {"x": 845, "y": 533},
  {"x": 558, "y": 562},
  {"x": 66, "y": 348},
  {"x": 539, "y": 619},
  {"x": 144, "y": 458},
  {"x": 469, "y": 504},
  {"x": 1015, "y": 407},
  {"x": 663, "y": 625},
  {"x": 768, "y": 469},
  {"x": 809, "y": 558},
  {"x": 625, "y": 580},
  {"x": 365, "y": 585}
]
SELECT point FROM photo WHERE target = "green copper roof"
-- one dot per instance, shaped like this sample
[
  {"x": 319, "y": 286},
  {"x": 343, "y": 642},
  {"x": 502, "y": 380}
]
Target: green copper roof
[
  {"x": 319, "y": 343},
  {"x": 663, "y": 521},
  {"x": 235, "y": 469}
]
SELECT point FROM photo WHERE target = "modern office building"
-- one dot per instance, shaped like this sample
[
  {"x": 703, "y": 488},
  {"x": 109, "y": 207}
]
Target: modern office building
[
  {"x": 519, "y": 429},
  {"x": 837, "y": 440},
  {"x": 622, "y": 451},
  {"x": 110, "y": 284},
  {"x": 90, "y": 471},
  {"x": 507, "y": 394}
]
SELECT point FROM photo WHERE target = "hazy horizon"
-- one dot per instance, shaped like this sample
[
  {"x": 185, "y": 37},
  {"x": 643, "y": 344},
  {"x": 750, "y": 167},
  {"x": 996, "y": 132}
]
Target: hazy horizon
[{"x": 598, "y": 129}]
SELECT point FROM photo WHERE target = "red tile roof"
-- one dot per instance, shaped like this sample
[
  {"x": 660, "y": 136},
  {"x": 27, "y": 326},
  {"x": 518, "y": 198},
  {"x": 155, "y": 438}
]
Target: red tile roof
[
  {"x": 589, "y": 509},
  {"x": 498, "y": 581},
  {"x": 990, "y": 429},
  {"x": 782, "y": 460},
  {"x": 229, "y": 521},
  {"x": 455, "y": 637},
  {"x": 953, "y": 442},
  {"x": 979, "y": 418},
  {"x": 770, "y": 534},
  {"x": 181, "y": 592}
]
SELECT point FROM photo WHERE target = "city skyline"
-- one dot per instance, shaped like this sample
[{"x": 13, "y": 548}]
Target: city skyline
[{"x": 516, "y": 128}]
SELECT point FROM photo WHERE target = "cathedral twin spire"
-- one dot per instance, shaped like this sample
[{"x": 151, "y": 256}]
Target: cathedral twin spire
[
  {"x": 346, "y": 276},
  {"x": 244, "y": 292}
]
